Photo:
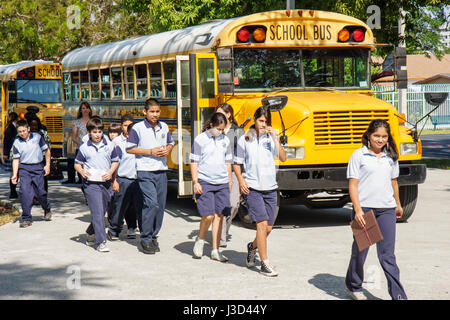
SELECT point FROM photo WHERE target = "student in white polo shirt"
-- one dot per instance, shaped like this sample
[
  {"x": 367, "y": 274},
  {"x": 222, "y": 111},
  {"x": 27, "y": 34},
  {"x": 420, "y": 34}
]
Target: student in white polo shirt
[
  {"x": 372, "y": 172},
  {"x": 255, "y": 152},
  {"x": 211, "y": 160},
  {"x": 150, "y": 141}
]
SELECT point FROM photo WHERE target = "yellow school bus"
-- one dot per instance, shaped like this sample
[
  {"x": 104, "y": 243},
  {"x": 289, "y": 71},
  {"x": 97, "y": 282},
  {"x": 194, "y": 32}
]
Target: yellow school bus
[
  {"x": 37, "y": 84},
  {"x": 311, "y": 67}
]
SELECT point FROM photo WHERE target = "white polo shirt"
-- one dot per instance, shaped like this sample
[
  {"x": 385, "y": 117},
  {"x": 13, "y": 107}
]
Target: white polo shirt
[
  {"x": 97, "y": 156},
  {"x": 212, "y": 154},
  {"x": 257, "y": 156},
  {"x": 374, "y": 178},
  {"x": 127, "y": 161},
  {"x": 143, "y": 135},
  {"x": 29, "y": 151}
]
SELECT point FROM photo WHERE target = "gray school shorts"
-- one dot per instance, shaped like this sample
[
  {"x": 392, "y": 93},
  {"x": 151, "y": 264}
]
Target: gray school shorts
[
  {"x": 262, "y": 205},
  {"x": 215, "y": 198}
]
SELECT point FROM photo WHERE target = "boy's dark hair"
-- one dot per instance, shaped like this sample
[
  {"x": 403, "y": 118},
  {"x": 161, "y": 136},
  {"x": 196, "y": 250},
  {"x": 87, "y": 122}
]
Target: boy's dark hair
[
  {"x": 129, "y": 128},
  {"x": 390, "y": 149},
  {"x": 127, "y": 117},
  {"x": 94, "y": 123},
  {"x": 22, "y": 123},
  {"x": 115, "y": 127},
  {"x": 151, "y": 103}
]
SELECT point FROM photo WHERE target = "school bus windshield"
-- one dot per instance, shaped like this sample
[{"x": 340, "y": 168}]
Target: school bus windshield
[
  {"x": 271, "y": 69},
  {"x": 38, "y": 91}
]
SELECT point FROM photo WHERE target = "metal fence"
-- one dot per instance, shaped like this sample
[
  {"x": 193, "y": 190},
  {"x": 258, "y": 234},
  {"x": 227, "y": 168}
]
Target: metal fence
[{"x": 417, "y": 106}]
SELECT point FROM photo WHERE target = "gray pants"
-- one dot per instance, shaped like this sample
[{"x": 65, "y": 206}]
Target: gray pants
[
  {"x": 235, "y": 196},
  {"x": 385, "y": 248}
]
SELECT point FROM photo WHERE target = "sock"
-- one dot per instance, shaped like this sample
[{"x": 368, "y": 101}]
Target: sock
[
  {"x": 200, "y": 240},
  {"x": 214, "y": 251}
]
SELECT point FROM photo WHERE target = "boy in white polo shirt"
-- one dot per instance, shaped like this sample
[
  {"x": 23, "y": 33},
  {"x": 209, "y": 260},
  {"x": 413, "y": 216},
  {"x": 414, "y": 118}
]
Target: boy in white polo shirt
[{"x": 150, "y": 141}]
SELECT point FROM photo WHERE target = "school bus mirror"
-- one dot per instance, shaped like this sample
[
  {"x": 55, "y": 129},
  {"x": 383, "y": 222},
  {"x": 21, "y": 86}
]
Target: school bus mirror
[
  {"x": 224, "y": 64},
  {"x": 11, "y": 85},
  {"x": 224, "y": 54},
  {"x": 436, "y": 98},
  {"x": 275, "y": 103}
]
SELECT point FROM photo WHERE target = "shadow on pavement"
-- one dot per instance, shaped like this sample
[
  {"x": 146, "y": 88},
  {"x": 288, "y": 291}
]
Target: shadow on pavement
[
  {"x": 335, "y": 286},
  {"x": 23, "y": 281}
]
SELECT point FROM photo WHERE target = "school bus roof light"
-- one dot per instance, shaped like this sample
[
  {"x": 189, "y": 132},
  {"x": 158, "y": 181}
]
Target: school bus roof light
[
  {"x": 358, "y": 35},
  {"x": 259, "y": 34},
  {"x": 311, "y": 13},
  {"x": 243, "y": 35},
  {"x": 343, "y": 35},
  {"x": 22, "y": 115},
  {"x": 300, "y": 13},
  {"x": 288, "y": 13},
  {"x": 22, "y": 74},
  {"x": 30, "y": 74}
]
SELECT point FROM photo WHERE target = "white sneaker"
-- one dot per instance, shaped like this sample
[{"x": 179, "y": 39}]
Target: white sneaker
[
  {"x": 90, "y": 241},
  {"x": 357, "y": 295},
  {"x": 267, "y": 270},
  {"x": 102, "y": 247},
  {"x": 216, "y": 255},
  {"x": 198, "y": 248}
]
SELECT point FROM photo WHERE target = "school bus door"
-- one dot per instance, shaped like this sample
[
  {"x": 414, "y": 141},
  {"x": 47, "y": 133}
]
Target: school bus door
[{"x": 196, "y": 100}]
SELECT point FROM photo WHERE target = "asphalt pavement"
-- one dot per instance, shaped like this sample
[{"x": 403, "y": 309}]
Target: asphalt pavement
[{"x": 309, "y": 248}]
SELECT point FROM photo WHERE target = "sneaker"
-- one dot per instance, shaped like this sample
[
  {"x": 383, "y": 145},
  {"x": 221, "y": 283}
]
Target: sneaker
[
  {"x": 251, "y": 254},
  {"x": 25, "y": 224},
  {"x": 131, "y": 233},
  {"x": 148, "y": 247},
  {"x": 111, "y": 236},
  {"x": 356, "y": 295},
  {"x": 90, "y": 241},
  {"x": 218, "y": 256},
  {"x": 198, "y": 248},
  {"x": 48, "y": 215},
  {"x": 102, "y": 247},
  {"x": 156, "y": 245},
  {"x": 267, "y": 270}
]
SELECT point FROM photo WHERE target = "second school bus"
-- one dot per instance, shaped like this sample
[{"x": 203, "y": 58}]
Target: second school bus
[{"x": 312, "y": 66}]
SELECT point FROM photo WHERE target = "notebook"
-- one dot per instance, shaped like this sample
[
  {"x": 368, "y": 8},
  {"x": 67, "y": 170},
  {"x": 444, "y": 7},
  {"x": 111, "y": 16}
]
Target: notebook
[{"x": 371, "y": 234}]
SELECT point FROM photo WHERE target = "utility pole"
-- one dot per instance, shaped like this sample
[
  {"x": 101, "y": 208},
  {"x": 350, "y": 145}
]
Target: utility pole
[
  {"x": 402, "y": 99},
  {"x": 290, "y": 4}
]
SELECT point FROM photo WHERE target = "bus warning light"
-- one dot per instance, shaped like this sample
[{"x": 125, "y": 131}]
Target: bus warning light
[
  {"x": 243, "y": 35},
  {"x": 300, "y": 13},
  {"x": 343, "y": 35},
  {"x": 358, "y": 35},
  {"x": 259, "y": 35},
  {"x": 288, "y": 13}
]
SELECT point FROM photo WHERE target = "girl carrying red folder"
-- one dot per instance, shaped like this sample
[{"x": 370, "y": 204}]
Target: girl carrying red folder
[{"x": 372, "y": 172}]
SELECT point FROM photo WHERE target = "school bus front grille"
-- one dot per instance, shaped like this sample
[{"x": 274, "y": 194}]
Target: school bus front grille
[
  {"x": 343, "y": 127},
  {"x": 54, "y": 124}
]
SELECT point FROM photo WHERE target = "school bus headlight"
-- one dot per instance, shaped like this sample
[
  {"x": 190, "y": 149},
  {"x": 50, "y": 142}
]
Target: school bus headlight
[
  {"x": 295, "y": 153},
  {"x": 409, "y": 148}
]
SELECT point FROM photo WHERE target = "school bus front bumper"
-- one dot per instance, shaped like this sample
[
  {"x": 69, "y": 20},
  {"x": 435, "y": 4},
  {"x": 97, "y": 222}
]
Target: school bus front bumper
[{"x": 331, "y": 178}]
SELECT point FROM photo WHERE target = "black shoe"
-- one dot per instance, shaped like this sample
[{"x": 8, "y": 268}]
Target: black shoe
[
  {"x": 25, "y": 224},
  {"x": 47, "y": 215},
  {"x": 156, "y": 245},
  {"x": 148, "y": 247},
  {"x": 68, "y": 182},
  {"x": 111, "y": 237}
]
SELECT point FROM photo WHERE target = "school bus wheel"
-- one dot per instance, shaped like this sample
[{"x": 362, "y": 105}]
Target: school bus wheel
[{"x": 408, "y": 199}]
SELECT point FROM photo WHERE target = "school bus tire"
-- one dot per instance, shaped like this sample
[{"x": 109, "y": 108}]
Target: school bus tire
[{"x": 408, "y": 199}]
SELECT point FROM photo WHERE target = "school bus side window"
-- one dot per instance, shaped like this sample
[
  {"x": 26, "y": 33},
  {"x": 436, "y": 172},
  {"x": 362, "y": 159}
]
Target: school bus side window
[
  {"x": 75, "y": 76},
  {"x": 66, "y": 79},
  {"x": 106, "y": 83},
  {"x": 206, "y": 81},
  {"x": 84, "y": 76},
  {"x": 170, "y": 79},
  {"x": 116, "y": 75},
  {"x": 129, "y": 82},
  {"x": 95, "y": 89},
  {"x": 155, "y": 80},
  {"x": 141, "y": 81}
]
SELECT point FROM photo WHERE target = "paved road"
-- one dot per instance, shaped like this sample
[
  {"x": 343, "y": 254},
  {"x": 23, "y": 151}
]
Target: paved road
[
  {"x": 310, "y": 249},
  {"x": 436, "y": 146}
]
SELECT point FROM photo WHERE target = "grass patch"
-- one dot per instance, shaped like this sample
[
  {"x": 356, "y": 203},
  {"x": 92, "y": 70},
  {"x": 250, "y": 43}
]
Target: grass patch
[
  {"x": 437, "y": 131},
  {"x": 8, "y": 212},
  {"x": 435, "y": 163}
]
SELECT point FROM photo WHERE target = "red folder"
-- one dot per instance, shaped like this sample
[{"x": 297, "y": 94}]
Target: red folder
[{"x": 370, "y": 234}]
